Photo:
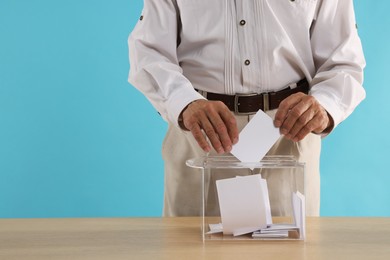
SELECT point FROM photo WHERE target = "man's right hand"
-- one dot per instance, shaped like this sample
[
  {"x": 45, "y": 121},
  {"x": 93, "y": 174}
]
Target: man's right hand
[{"x": 216, "y": 121}]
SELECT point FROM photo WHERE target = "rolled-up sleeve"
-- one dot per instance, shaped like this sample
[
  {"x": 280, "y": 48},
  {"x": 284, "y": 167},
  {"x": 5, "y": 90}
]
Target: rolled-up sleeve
[
  {"x": 154, "y": 68},
  {"x": 339, "y": 59}
]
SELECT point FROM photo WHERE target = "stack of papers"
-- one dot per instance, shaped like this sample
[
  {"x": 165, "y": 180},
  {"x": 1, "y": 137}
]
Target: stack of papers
[
  {"x": 277, "y": 231},
  {"x": 245, "y": 208},
  {"x": 295, "y": 230}
]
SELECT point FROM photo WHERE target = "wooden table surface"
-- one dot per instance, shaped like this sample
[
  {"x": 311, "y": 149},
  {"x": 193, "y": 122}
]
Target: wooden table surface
[{"x": 179, "y": 238}]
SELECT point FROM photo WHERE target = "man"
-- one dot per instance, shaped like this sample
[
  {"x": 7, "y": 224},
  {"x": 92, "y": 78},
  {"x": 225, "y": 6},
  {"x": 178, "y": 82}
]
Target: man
[{"x": 301, "y": 61}]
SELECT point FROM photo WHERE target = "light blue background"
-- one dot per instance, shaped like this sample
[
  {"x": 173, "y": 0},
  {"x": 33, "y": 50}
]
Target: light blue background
[{"x": 76, "y": 140}]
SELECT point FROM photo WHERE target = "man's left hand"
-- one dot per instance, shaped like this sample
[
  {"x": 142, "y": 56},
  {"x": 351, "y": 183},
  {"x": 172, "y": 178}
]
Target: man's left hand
[{"x": 300, "y": 114}]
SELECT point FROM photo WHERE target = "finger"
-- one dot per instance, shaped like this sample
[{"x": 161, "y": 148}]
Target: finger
[
  {"x": 214, "y": 138},
  {"x": 284, "y": 107},
  {"x": 215, "y": 128},
  {"x": 221, "y": 131},
  {"x": 302, "y": 121},
  {"x": 318, "y": 123},
  {"x": 192, "y": 123},
  {"x": 308, "y": 128},
  {"x": 231, "y": 125},
  {"x": 200, "y": 138},
  {"x": 325, "y": 121},
  {"x": 293, "y": 115}
]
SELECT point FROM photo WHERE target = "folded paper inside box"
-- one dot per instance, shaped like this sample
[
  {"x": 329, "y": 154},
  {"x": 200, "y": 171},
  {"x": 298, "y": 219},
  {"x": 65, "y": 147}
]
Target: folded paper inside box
[{"x": 245, "y": 208}]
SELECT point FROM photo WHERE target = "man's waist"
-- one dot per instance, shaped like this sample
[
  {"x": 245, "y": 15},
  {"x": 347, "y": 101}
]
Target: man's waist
[{"x": 252, "y": 102}]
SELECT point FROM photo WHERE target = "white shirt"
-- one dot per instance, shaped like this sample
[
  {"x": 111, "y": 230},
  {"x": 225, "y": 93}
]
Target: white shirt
[{"x": 246, "y": 46}]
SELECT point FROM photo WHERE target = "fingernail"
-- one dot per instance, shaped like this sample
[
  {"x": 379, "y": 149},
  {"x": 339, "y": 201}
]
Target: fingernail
[
  {"x": 220, "y": 150},
  {"x": 235, "y": 140},
  {"x": 228, "y": 149},
  {"x": 277, "y": 123}
]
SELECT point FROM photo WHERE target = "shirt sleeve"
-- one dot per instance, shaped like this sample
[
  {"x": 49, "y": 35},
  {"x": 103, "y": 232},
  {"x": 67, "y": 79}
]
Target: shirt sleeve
[
  {"x": 338, "y": 58},
  {"x": 154, "y": 66}
]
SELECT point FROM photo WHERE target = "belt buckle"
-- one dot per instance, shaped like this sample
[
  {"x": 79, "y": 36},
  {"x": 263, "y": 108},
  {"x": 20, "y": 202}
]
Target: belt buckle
[{"x": 237, "y": 103}]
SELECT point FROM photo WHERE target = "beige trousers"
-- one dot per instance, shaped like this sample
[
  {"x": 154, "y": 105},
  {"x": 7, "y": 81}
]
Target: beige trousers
[{"x": 182, "y": 194}]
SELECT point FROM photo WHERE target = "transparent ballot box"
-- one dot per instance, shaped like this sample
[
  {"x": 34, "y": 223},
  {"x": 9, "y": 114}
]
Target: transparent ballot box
[{"x": 251, "y": 201}]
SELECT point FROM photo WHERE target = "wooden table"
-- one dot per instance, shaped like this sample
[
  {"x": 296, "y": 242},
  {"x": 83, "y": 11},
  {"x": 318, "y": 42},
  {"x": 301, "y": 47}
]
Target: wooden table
[{"x": 179, "y": 238}]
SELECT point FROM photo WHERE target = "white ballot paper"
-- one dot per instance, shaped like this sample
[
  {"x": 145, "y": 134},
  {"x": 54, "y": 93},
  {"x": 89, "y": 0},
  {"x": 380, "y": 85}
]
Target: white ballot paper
[
  {"x": 257, "y": 137},
  {"x": 298, "y": 202},
  {"x": 244, "y": 204}
]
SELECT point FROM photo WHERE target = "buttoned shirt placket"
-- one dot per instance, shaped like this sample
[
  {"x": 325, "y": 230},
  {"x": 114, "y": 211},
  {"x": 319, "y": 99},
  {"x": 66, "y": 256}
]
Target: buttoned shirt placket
[{"x": 251, "y": 45}]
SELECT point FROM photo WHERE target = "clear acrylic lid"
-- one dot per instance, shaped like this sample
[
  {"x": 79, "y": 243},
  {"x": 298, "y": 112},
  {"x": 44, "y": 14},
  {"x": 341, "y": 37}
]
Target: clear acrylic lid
[{"x": 229, "y": 161}]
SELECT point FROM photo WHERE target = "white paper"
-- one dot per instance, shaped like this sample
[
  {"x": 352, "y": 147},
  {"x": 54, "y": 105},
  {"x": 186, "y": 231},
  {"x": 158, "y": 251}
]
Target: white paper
[
  {"x": 298, "y": 202},
  {"x": 215, "y": 228},
  {"x": 275, "y": 231},
  {"x": 279, "y": 234},
  {"x": 241, "y": 202},
  {"x": 243, "y": 231},
  {"x": 256, "y": 139},
  {"x": 266, "y": 202},
  {"x": 276, "y": 227}
]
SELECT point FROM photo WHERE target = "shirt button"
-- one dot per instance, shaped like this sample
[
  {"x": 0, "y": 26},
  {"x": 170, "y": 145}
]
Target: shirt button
[
  {"x": 247, "y": 62},
  {"x": 242, "y": 22}
]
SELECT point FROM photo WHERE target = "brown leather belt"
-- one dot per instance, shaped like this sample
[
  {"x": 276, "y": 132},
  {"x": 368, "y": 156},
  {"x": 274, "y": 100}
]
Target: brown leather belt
[{"x": 251, "y": 103}]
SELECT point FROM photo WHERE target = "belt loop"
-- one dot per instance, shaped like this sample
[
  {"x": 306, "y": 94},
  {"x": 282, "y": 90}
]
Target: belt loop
[
  {"x": 265, "y": 102},
  {"x": 236, "y": 104},
  {"x": 203, "y": 93},
  {"x": 293, "y": 85}
]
